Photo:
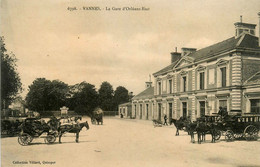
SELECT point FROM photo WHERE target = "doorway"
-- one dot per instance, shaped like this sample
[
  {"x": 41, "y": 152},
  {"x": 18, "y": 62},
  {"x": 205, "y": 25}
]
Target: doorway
[
  {"x": 147, "y": 111},
  {"x": 141, "y": 111},
  {"x": 159, "y": 111},
  {"x": 184, "y": 109}
]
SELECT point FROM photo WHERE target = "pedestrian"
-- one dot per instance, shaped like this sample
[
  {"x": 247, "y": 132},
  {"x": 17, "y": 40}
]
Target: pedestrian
[
  {"x": 220, "y": 113},
  {"x": 165, "y": 120}
]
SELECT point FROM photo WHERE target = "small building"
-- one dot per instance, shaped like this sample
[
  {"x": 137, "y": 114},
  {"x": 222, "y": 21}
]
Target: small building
[
  {"x": 143, "y": 103},
  {"x": 125, "y": 110},
  {"x": 64, "y": 111},
  {"x": 17, "y": 107}
]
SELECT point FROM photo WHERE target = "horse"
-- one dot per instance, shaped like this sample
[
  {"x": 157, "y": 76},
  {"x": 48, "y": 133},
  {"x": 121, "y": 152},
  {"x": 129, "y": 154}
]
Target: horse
[
  {"x": 72, "y": 129},
  {"x": 179, "y": 124},
  {"x": 204, "y": 128},
  {"x": 190, "y": 127}
]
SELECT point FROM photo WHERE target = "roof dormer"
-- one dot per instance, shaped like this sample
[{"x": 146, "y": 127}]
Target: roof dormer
[{"x": 244, "y": 28}]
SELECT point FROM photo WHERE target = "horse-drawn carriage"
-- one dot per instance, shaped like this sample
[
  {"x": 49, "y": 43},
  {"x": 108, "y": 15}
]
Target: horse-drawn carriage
[
  {"x": 10, "y": 127},
  {"x": 236, "y": 126},
  {"x": 97, "y": 116},
  {"x": 231, "y": 126},
  {"x": 33, "y": 128}
]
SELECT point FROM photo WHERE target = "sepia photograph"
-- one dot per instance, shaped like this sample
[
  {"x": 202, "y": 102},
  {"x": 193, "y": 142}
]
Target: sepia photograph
[{"x": 130, "y": 83}]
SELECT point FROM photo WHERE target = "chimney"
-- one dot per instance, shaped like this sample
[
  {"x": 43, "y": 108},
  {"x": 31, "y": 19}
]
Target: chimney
[
  {"x": 175, "y": 55},
  {"x": 259, "y": 29},
  {"x": 148, "y": 84},
  {"x": 244, "y": 28},
  {"x": 130, "y": 95},
  {"x": 186, "y": 51}
]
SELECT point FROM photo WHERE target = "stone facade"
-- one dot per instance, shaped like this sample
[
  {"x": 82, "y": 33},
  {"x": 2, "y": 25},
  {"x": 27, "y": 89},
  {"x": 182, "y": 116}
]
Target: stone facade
[
  {"x": 125, "y": 110},
  {"x": 200, "y": 82}
]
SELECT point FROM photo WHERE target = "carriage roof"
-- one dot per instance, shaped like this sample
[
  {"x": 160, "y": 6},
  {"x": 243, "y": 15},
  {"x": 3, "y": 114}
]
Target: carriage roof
[{"x": 236, "y": 118}]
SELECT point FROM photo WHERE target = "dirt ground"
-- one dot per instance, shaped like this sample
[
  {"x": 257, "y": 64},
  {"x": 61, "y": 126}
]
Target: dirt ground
[{"x": 129, "y": 143}]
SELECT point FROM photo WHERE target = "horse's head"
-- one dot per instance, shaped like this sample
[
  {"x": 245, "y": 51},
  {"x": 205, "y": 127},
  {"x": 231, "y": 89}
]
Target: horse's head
[
  {"x": 84, "y": 124},
  {"x": 173, "y": 121}
]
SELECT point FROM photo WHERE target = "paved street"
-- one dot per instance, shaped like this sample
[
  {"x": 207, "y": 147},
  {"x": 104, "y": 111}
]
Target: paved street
[{"x": 133, "y": 143}]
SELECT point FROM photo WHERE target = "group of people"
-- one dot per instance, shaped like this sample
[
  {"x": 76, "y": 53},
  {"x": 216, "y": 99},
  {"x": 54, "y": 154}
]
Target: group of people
[
  {"x": 70, "y": 121},
  {"x": 222, "y": 113}
]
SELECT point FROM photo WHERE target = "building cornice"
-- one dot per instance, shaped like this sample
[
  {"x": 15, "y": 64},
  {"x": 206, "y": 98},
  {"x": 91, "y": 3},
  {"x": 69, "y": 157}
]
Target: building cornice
[{"x": 213, "y": 57}]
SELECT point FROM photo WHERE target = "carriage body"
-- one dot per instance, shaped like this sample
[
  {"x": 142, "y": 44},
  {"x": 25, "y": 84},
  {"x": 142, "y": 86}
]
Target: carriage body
[
  {"x": 236, "y": 126},
  {"x": 32, "y": 128},
  {"x": 11, "y": 126}
]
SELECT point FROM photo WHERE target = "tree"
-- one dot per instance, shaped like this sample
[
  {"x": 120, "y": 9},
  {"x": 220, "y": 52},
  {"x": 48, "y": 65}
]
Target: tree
[
  {"x": 84, "y": 99},
  {"x": 106, "y": 93},
  {"x": 46, "y": 95},
  {"x": 10, "y": 80},
  {"x": 57, "y": 94},
  {"x": 121, "y": 96}
]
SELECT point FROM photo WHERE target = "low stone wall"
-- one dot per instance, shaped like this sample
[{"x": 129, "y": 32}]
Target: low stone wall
[
  {"x": 110, "y": 113},
  {"x": 55, "y": 113}
]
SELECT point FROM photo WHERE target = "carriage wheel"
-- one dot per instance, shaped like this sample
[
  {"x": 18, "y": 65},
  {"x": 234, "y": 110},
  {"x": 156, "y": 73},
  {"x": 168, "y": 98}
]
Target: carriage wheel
[
  {"x": 251, "y": 132},
  {"x": 50, "y": 139},
  {"x": 229, "y": 136},
  {"x": 24, "y": 139},
  {"x": 217, "y": 135}
]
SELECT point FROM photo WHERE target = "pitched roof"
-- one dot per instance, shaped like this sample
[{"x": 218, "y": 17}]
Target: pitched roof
[
  {"x": 255, "y": 79},
  {"x": 147, "y": 93},
  {"x": 125, "y": 104},
  {"x": 169, "y": 67},
  {"x": 244, "y": 41}
]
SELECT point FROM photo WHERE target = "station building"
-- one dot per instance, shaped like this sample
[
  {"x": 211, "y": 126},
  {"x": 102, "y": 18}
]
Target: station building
[
  {"x": 143, "y": 103},
  {"x": 198, "y": 82},
  {"x": 125, "y": 110}
]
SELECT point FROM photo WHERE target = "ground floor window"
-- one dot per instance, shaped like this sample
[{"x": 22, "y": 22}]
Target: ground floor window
[
  {"x": 255, "y": 105},
  {"x": 223, "y": 104},
  {"x": 135, "y": 110},
  {"x": 202, "y": 108}
]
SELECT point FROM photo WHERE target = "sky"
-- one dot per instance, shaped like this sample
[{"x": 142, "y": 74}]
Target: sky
[{"x": 118, "y": 46}]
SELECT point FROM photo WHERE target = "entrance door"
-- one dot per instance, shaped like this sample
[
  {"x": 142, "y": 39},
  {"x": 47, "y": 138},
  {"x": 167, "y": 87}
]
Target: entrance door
[
  {"x": 159, "y": 111},
  {"x": 135, "y": 110},
  {"x": 202, "y": 108},
  {"x": 184, "y": 109},
  {"x": 147, "y": 111},
  {"x": 170, "y": 111}
]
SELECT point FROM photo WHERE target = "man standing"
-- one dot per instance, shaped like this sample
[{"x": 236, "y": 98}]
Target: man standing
[{"x": 165, "y": 120}]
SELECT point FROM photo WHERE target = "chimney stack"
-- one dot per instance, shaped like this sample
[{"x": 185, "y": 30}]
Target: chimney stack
[{"x": 175, "y": 55}]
